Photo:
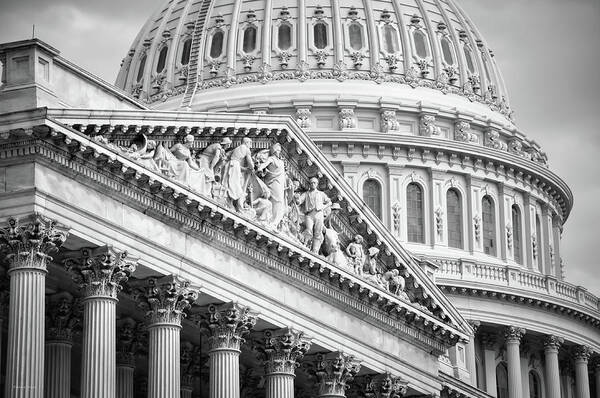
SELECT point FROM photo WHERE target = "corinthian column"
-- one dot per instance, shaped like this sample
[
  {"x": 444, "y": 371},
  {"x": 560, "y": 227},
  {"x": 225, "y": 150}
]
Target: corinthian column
[
  {"x": 190, "y": 367},
  {"x": 334, "y": 371},
  {"x": 28, "y": 245},
  {"x": 99, "y": 273},
  {"x": 226, "y": 325},
  {"x": 513, "y": 336},
  {"x": 129, "y": 343},
  {"x": 280, "y": 350},
  {"x": 60, "y": 323},
  {"x": 386, "y": 386},
  {"x": 551, "y": 346},
  {"x": 596, "y": 368},
  {"x": 165, "y": 299},
  {"x": 581, "y": 356}
]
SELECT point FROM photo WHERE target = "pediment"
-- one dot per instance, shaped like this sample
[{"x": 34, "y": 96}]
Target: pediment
[{"x": 150, "y": 147}]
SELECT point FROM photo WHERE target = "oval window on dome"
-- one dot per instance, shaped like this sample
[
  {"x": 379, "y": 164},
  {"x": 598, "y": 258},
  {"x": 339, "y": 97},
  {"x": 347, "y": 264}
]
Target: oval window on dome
[
  {"x": 420, "y": 45},
  {"x": 162, "y": 59},
  {"x": 355, "y": 33},
  {"x": 284, "y": 36},
  {"x": 469, "y": 58},
  {"x": 185, "y": 52},
  {"x": 141, "y": 68},
  {"x": 216, "y": 44},
  {"x": 249, "y": 43},
  {"x": 390, "y": 39},
  {"x": 320, "y": 35},
  {"x": 447, "y": 51}
]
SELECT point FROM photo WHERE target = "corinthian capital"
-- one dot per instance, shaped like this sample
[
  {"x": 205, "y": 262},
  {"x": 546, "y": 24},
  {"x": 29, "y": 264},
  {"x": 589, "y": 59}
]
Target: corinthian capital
[
  {"x": 334, "y": 371},
  {"x": 62, "y": 317},
  {"x": 131, "y": 337},
  {"x": 101, "y": 271},
  {"x": 165, "y": 299},
  {"x": 514, "y": 334},
  {"x": 386, "y": 386},
  {"x": 29, "y": 242},
  {"x": 227, "y": 324},
  {"x": 281, "y": 350},
  {"x": 552, "y": 342},
  {"x": 582, "y": 353}
]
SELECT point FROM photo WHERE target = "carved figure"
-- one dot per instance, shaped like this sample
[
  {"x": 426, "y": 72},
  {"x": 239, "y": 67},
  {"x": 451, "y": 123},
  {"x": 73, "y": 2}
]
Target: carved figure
[
  {"x": 209, "y": 162},
  {"x": 395, "y": 284},
  {"x": 315, "y": 202},
  {"x": 273, "y": 175},
  {"x": 237, "y": 172},
  {"x": 263, "y": 208},
  {"x": 332, "y": 246},
  {"x": 356, "y": 253},
  {"x": 177, "y": 161}
]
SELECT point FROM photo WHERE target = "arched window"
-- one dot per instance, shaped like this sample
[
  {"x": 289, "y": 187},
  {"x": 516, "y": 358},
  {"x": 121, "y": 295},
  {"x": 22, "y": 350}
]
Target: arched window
[
  {"x": 216, "y": 44},
  {"x": 284, "y": 36},
  {"x": 535, "y": 388},
  {"x": 447, "y": 51},
  {"x": 538, "y": 237},
  {"x": 162, "y": 59},
  {"x": 141, "y": 68},
  {"x": 420, "y": 45},
  {"x": 185, "y": 52},
  {"x": 249, "y": 42},
  {"x": 455, "y": 227},
  {"x": 469, "y": 58},
  {"x": 390, "y": 39},
  {"x": 489, "y": 226},
  {"x": 320, "y": 35},
  {"x": 355, "y": 34},
  {"x": 501, "y": 381},
  {"x": 415, "y": 217},
  {"x": 517, "y": 234},
  {"x": 372, "y": 196}
]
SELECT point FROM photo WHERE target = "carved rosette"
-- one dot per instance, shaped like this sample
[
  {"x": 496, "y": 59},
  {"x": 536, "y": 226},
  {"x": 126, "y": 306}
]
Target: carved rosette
[
  {"x": 385, "y": 386},
  {"x": 334, "y": 372},
  {"x": 29, "y": 244},
  {"x": 553, "y": 342},
  {"x": 281, "y": 350},
  {"x": 582, "y": 353},
  {"x": 100, "y": 271},
  {"x": 165, "y": 299},
  {"x": 514, "y": 334},
  {"x": 227, "y": 324},
  {"x": 62, "y": 317}
]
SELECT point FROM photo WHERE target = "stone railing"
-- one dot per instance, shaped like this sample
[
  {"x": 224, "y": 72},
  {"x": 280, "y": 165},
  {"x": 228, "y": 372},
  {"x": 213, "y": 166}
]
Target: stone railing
[{"x": 514, "y": 277}]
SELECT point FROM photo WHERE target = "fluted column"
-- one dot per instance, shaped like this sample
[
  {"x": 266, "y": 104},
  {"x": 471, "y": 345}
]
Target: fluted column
[
  {"x": 489, "y": 357},
  {"x": 334, "y": 371},
  {"x": 385, "y": 386},
  {"x": 470, "y": 354},
  {"x": 226, "y": 326},
  {"x": 551, "y": 347},
  {"x": 165, "y": 300},
  {"x": 99, "y": 272},
  {"x": 60, "y": 324},
  {"x": 190, "y": 368},
  {"x": 28, "y": 245},
  {"x": 513, "y": 336},
  {"x": 130, "y": 340},
  {"x": 596, "y": 367},
  {"x": 280, "y": 350},
  {"x": 581, "y": 356}
]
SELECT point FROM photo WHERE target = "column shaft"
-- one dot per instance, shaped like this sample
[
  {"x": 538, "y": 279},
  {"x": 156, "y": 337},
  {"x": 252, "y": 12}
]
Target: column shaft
[
  {"x": 471, "y": 362},
  {"x": 98, "y": 376},
  {"x": 224, "y": 379},
  {"x": 597, "y": 378},
  {"x": 552, "y": 373},
  {"x": 280, "y": 386},
  {"x": 515, "y": 389},
  {"x": 25, "y": 348},
  {"x": 490, "y": 371},
  {"x": 58, "y": 369},
  {"x": 582, "y": 382},
  {"x": 524, "y": 376},
  {"x": 124, "y": 382},
  {"x": 186, "y": 392},
  {"x": 164, "y": 379}
]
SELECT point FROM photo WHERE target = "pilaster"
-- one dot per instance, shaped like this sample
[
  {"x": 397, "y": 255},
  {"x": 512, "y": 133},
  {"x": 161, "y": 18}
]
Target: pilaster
[
  {"x": 581, "y": 356},
  {"x": 334, "y": 371},
  {"x": 470, "y": 354},
  {"x": 513, "y": 336},
  {"x": 28, "y": 244}
]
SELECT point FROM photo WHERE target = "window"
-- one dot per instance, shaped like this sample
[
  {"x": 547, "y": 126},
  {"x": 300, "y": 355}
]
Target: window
[
  {"x": 469, "y": 58},
  {"x": 284, "y": 36},
  {"x": 454, "y": 210},
  {"x": 538, "y": 237},
  {"x": 489, "y": 226},
  {"x": 415, "y": 218},
  {"x": 534, "y": 385},
  {"x": 420, "y": 45},
  {"x": 249, "y": 42},
  {"x": 216, "y": 44},
  {"x": 517, "y": 234},
  {"x": 372, "y": 196},
  {"x": 501, "y": 381},
  {"x": 141, "y": 68},
  {"x": 162, "y": 59},
  {"x": 447, "y": 51},
  {"x": 320, "y": 35},
  {"x": 185, "y": 52},
  {"x": 390, "y": 39},
  {"x": 355, "y": 33}
]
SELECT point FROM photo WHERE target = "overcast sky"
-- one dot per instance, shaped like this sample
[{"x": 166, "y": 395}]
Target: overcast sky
[{"x": 548, "y": 51}]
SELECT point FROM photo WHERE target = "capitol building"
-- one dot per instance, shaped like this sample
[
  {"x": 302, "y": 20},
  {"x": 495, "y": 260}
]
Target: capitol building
[{"x": 307, "y": 198}]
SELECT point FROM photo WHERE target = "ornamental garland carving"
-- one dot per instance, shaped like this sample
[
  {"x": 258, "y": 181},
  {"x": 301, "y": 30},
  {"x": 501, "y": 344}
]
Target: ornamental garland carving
[
  {"x": 439, "y": 221},
  {"x": 334, "y": 371},
  {"x": 509, "y": 237},
  {"x": 492, "y": 140},
  {"x": 462, "y": 132},
  {"x": 165, "y": 299},
  {"x": 477, "y": 227},
  {"x": 280, "y": 350},
  {"x": 227, "y": 325}
]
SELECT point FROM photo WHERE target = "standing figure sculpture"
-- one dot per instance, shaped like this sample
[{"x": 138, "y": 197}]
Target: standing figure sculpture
[
  {"x": 315, "y": 202},
  {"x": 356, "y": 253},
  {"x": 275, "y": 179},
  {"x": 209, "y": 161},
  {"x": 236, "y": 175}
]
